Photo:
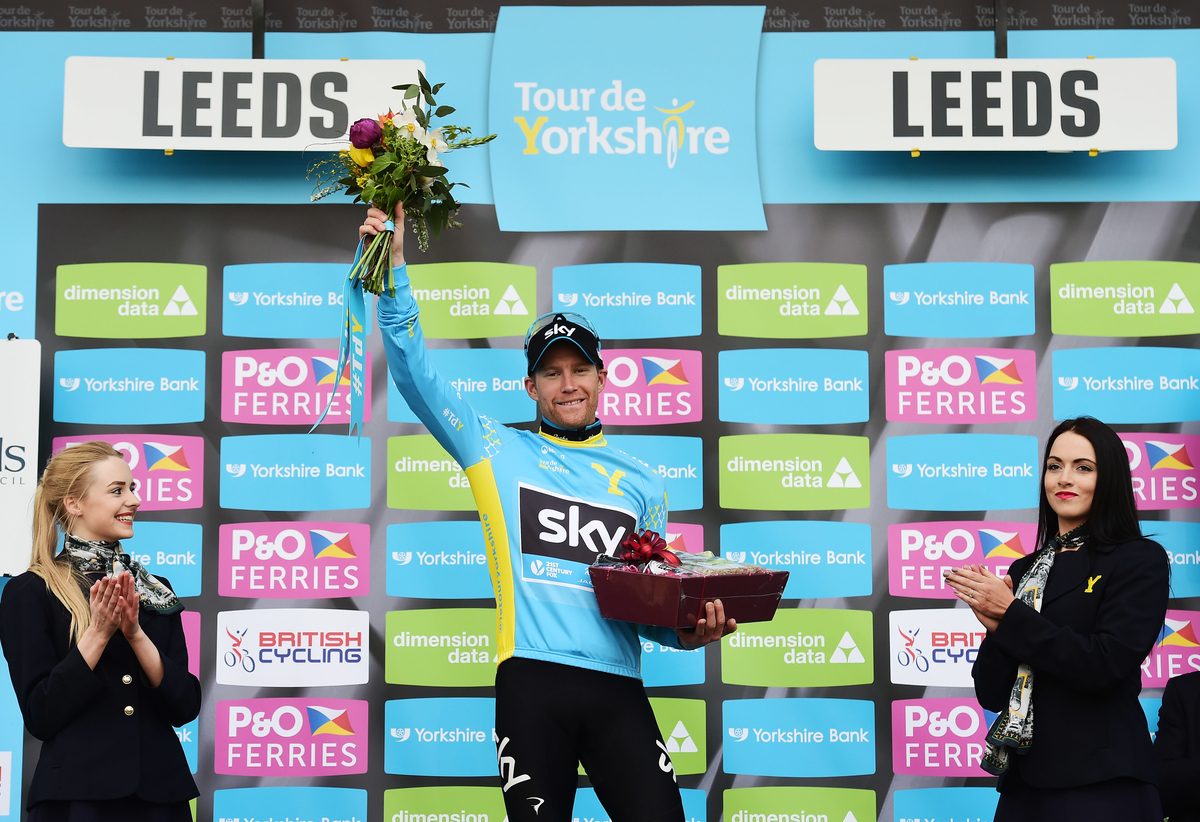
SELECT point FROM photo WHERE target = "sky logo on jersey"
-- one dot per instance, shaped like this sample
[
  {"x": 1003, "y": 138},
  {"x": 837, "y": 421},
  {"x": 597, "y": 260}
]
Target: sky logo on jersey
[
  {"x": 588, "y": 808},
  {"x": 294, "y": 560},
  {"x": 440, "y": 737},
  {"x": 293, "y": 647},
  {"x": 945, "y": 804},
  {"x": 1175, "y": 652},
  {"x": 632, "y": 301},
  {"x": 1164, "y": 475},
  {"x": 790, "y": 804},
  {"x": 168, "y": 470},
  {"x": 958, "y": 300},
  {"x": 839, "y": 567},
  {"x": 491, "y": 379},
  {"x": 1127, "y": 385},
  {"x": 579, "y": 121},
  {"x": 799, "y": 737},
  {"x": 293, "y": 737},
  {"x": 801, "y": 648},
  {"x": 960, "y": 385},
  {"x": 663, "y": 666},
  {"x": 962, "y": 472},
  {"x": 130, "y": 300},
  {"x": 935, "y": 647},
  {"x": 792, "y": 300},
  {"x": 794, "y": 472},
  {"x": 651, "y": 386},
  {"x": 437, "y": 560},
  {"x": 938, "y": 737},
  {"x": 286, "y": 386},
  {"x": 918, "y": 552},
  {"x": 283, "y": 301},
  {"x": 1182, "y": 543},
  {"x": 1124, "y": 299},
  {"x": 235, "y": 804},
  {"x": 127, "y": 386},
  {"x": 462, "y": 301},
  {"x": 682, "y": 723},
  {"x": 445, "y": 647},
  {"x": 561, "y": 536},
  {"x": 422, "y": 476},
  {"x": 793, "y": 386},
  {"x": 174, "y": 550},
  {"x": 678, "y": 460},
  {"x": 454, "y": 803},
  {"x": 295, "y": 472}
]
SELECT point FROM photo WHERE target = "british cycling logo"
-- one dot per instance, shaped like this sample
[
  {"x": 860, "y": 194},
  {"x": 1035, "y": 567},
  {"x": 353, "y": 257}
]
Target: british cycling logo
[
  {"x": 960, "y": 385},
  {"x": 168, "y": 471},
  {"x": 1163, "y": 469},
  {"x": 291, "y": 737},
  {"x": 919, "y": 552},
  {"x": 286, "y": 647},
  {"x": 652, "y": 386},
  {"x": 934, "y": 647},
  {"x": 286, "y": 560},
  {"x": 938, "y": 737},
  {"x": 286, "y": 386}
]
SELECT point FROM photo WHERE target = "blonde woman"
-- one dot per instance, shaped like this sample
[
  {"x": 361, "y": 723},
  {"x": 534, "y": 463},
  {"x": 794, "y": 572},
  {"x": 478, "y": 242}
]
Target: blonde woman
[{"x": 96, "y": 651}]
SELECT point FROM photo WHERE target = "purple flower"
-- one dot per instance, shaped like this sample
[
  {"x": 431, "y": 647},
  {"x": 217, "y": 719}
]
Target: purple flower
[{"x": 365, "y": 133}]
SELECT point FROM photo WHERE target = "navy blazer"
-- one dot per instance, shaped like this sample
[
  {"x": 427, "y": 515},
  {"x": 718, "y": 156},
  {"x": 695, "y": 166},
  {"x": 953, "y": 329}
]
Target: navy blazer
[
  {"x": 1102, "y": 611},
  {"x": 105, "y": 733},
  {"x": 1177, "y": 748}
]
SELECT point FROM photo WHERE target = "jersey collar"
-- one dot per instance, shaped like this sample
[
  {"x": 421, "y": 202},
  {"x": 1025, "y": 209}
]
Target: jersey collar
[{"x": 587, "y": 436}]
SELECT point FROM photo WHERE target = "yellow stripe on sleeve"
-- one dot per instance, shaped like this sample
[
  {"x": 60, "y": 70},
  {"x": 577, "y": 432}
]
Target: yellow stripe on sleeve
[{"x": 495, "y": 539}]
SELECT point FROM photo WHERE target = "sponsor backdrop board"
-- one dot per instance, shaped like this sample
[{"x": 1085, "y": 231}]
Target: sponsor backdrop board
[{"x": 849, "y": 411}]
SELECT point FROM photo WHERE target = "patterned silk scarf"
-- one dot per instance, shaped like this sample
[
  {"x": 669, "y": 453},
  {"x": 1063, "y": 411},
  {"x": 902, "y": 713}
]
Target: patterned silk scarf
[
  {"x": 108, "y": 559},
  {"x": 1013, "y": 729}
]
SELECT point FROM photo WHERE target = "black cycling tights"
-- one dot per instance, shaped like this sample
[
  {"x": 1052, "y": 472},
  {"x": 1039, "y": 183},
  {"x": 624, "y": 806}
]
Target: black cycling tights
[{"x": 551, "y": 717}]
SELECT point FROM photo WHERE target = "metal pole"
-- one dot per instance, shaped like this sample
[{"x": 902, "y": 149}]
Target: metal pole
[
  {"x": 258, "y": 23},
  {"x": 1001, "y": 28}
]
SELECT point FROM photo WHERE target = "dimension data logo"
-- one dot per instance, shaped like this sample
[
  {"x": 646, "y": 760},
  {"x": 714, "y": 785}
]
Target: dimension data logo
[
  {"x": 938, "y": 737},
  {"x": 958, "y": 300},
  {"x": 682, "y": 723},
  {"x": 960, "y": 385},
  {"x": 445, "y": 647},
  {"x": 461, "y": 301},
  {"x": 280, "y": 803},
  {"x": 632, "y": 301},
  {"x": 437, "y": 560},
  {"x": 1127, "y": 385},
  {"x": 578, "y": 121},
  {"x": 423, "y": 476},
  {"x": 130, "y": 300},
  {"x": 792, "y": 386},
  {"x": 827, "y": 559},
  {"x": 918, "y": 552},
  {"x": 1175, "y": 652},
  {"x": 795, "y": 472},
  {"x": 934, "y": 647},
  {"x": 491, "y": 379},
  {"x": 789, "y": 804},
  {"x": 295, "y": 472},
  {"x": 792, "y": 300},
  {"x": 801, "y": 648},
  {"x": 652, "y": 386},
  {"x": 294, "y": 560},
  {"x": 440, "y": 737},
  {"x": 292, "y": 647},
  {"x": 678, "y": 460},
  {"x": 962, "y": 472},
  {"x": 1125, "y": 299},
  {"x": 283, "y": 301},
  {"x": 460, "y": 803},
  {"x": 168, "y": 470},
  {"x": 291, "y": 737},
  {"x": 945, "y": 804},
  {"x": 1163, "y": 469},
  {"x": 127, "y": 386},
  {"x": 799, "y": 737},
  {"x": 287, "y": 386}
]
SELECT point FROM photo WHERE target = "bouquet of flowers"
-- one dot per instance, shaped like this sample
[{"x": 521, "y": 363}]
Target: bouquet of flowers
[{"x": 396, "y": 158}]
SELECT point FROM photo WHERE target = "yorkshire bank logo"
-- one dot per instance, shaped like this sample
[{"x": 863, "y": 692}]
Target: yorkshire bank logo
[
  {"x": 794, "y": 804},
  {"x": 1139, "y": 384},
  {"x": 958, "y": 300},
  {"x": 130, "y": 300},
  {"x": 1176, "y": 651},
  {"x": 794, "y": 472},
  {"x": 287, "y": 386},
  {"x": 292, "y": 647},
  {"x": 945, "y": 804},
  {"x": 918, "y": 552},
  {"x": 962, "y": 472},
  {"x": 444, "y": 647},
  {"x": 678, "y": 460},
  {"x": 294, "y": 560},
  {"x": 934, "y": 647},
  {"x": 810, "y": 737},
  {"x": 168, "y": 470},
  {"x": 291, "y": 737},
  {"x": 290, "y": 472},
  {"x": 1181, "y": 540},
  {"x": 461, "y": 803},
  {"x": 492, "y": 380},
  {"x": 291, "y": 301},
  {"x": 470, "y": 300},
  {"x": 652, "y": 386},
  {"x": 663, "y": 666},
  {"x": 938, "y": 737},
  {"x": 659, "y": 113},
  {"x": 801, "y": 648},
  {"x": 272, "y": 803},
  {"x": 825, "y": 559},
  {"x": 437, "y": 560},
  {"x": 107, "y": 386},
  {"x": 960, "y": 385},
  {"x": 792, "y": 300},
  {"x": 1163, "y": 469},
  {"x": 792, "y": 386},
  {"x": 445, "y": 737},
  {"x": 633, "y": 301},
  {"x": 1125, "y": 299}
]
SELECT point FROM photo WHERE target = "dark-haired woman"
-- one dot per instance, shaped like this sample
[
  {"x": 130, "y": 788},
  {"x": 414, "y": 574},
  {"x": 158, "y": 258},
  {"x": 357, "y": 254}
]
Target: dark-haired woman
[{"x": 1087, "y": 608}]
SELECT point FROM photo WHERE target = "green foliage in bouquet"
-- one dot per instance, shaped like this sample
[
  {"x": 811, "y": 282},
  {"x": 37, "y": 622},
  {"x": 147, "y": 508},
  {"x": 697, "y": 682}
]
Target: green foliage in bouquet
[{"x": 396, "y": 158}]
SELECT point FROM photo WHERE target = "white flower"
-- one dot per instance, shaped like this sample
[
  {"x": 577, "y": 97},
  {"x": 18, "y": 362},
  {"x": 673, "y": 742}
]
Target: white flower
[
  {"x": 435, "y": 141},
  {"x": 406, "y": 122}
]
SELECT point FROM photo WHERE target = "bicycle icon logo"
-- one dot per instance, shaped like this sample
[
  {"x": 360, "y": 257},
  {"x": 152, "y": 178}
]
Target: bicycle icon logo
[
  {"x": 911, "y": 655},
  {"x": 238, "y": 655}
]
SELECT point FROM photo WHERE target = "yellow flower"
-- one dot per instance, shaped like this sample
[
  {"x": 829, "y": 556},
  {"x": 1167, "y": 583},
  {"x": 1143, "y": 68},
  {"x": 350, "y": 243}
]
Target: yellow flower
[
  {"x": 363, "y": 180},
  {"x": 362, "y": 156}
]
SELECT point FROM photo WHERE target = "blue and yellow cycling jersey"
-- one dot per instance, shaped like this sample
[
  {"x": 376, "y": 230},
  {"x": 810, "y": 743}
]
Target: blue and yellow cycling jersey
[{"x": 548, "y": 507}]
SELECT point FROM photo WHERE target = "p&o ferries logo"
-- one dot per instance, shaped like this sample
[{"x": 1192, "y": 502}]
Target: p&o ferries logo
[{"x": 168, "y": 471}]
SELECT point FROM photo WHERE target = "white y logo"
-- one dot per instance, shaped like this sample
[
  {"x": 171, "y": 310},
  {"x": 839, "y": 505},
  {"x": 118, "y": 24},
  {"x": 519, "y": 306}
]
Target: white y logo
[
  {"x": 69, "y": 383},
  {"x": 899, "y": 297},
  {"x": 568, "y": 300},
  {"x": 735, "y": 556},
  {"x": 235, "y": 470},
  {"x": 735, "y": 383},
  {"x": 239, "y": 297},
  {"x": 739, "y": 734},
  {"x": 902, "y": 470},
  {"x": 1069, "y": 383},
  {"x": 402, "y": 557},
  {"x": 401, "y": 734}
]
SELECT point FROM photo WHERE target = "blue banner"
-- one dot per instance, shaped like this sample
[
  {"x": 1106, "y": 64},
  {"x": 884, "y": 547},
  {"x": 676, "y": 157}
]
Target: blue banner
[
  {"x": 1127, "y": 385},
  {"x": 945, "y": 804},
  {"x": 678, "y": 460},
  {"x": 174, "y": 550},
  {"x": 824, "y": 559},
  {"x": 663, "y": 666},
  {"x": 129, "y": 386},
  {"x": 632, "y": 301},
  {"x": 491, "y": 379},
  {"x": 440, "y": 737},
  {"x": 958, "y": 300},
  {"x": 799, "y": 737},
  {"x": 437, "y": 560},
  {"x": 793, "y": 386},
  {"x": 963, "y": 472},
  {"x": 295, "y": 472},
  {"x": 284, "y": 301},
  {"x": 290, "y": 802}
]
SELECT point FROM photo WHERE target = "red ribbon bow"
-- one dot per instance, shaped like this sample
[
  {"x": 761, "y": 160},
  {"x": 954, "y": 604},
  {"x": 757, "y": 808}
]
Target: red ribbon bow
[{"x": 643, "y": 546}]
